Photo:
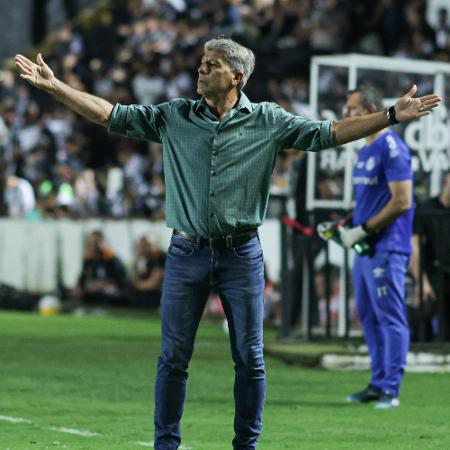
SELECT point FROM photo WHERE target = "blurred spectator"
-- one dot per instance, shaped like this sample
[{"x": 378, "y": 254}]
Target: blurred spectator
[
  {"x": 116, "y": 201},
  {"x": 131, "y": 163},
  {"x": 3, "y": 207},
  {"x": 328, "y": 21},
  {"x": 40, "y": 17},
  {"x": 272, "y": 300},
  {"x": 432, "y": 227},
  {"x": 442, "y": 36},
  {"x": 281, "y": 174},
  {"x": 59, "y": 123},
  {"x": 148, "y": 84},
  {"x": 148, "y": 272},
  {"x": 19, "y": 197},
  {"x": 421, "y": 36},
  {"x": 86, "y": 194},
  {"x": 103, "y": 278},
  {"x": 46, "y": 206},
  {"x": 147, "y": 52},
  {"x": 333, "y": 300}
]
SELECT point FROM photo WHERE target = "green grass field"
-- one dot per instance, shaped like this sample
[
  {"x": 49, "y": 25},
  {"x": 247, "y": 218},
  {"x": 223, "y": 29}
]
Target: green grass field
[{"x": 96, "y": 374}]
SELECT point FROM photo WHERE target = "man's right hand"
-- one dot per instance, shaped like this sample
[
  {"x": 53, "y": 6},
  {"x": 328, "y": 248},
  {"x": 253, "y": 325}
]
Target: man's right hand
[
  {"x": 409, "y": 107},
  {"x": 39, "y": 75}
]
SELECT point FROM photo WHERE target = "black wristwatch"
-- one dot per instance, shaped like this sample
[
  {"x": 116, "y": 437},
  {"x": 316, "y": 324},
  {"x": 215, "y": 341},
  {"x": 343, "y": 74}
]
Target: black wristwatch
[{"x": 390, "y": 114}]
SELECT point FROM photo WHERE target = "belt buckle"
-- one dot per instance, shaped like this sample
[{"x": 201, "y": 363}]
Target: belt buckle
[{"x": 229, "y": 241}]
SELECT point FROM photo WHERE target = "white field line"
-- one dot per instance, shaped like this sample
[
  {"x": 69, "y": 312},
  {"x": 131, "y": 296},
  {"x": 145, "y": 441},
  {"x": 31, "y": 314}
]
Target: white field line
[
  {"x": 84, "y": 433},
  {"x": 15, "y": 419},
  {"x": 75, "y": 431}
]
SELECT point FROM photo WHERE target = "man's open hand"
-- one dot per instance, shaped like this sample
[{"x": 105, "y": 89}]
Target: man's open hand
[
  {"x": 409, "y": 107},
  {"x": 39, "y": 74}
]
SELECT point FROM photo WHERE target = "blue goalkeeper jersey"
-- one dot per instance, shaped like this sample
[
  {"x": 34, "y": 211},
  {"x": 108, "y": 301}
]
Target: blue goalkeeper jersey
[{"x": 385, "y": 160}]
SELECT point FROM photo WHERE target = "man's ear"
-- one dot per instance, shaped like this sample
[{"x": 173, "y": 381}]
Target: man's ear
[{"x": 238, "y": 76}]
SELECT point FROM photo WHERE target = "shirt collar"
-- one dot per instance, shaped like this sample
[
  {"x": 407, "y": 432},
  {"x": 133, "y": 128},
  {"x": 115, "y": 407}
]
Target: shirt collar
[{"x": 243, "y": 103}]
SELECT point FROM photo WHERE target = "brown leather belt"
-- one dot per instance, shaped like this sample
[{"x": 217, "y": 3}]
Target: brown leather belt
[{"x": 221, "y": 242}]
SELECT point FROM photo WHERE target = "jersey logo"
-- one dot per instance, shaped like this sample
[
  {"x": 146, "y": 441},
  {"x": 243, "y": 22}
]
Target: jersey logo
[
  {"x": 378, "y": 272},
  {"x": 366, "y": 181},
  {"x": 370, "y": 164}
]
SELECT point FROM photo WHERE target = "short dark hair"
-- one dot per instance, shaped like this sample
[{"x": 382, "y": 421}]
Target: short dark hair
[{"x": 370, "y": 97}]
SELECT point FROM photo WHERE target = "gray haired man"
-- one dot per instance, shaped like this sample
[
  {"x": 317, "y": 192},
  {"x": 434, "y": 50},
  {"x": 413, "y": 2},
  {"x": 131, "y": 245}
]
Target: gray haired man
[{"x": 219, "y": 152}]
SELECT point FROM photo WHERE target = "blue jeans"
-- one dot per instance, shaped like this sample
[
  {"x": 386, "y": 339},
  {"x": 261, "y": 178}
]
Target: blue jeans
[
  {"x": 379, "y": 284},
  {"x": 238, "y": 276}
]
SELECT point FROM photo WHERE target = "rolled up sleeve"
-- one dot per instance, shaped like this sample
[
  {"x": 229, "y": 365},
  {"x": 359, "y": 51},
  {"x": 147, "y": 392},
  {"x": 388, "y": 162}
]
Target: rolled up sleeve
[
  {"x": 137, "y": 122},
  {"x": 302, "y": 134}
]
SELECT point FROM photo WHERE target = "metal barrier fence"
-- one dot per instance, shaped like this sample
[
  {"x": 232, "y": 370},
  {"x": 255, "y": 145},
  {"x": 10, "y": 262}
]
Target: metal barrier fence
[{"x": 317, "y": 292}]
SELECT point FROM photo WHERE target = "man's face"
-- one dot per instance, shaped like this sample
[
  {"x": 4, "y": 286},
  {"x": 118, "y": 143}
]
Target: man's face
[
  {"x": 353, "y": 106},
  {"x": 95, "y": 243},
  {"x": 215, "y": 75}
]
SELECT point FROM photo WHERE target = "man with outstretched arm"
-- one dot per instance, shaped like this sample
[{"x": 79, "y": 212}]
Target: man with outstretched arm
[{"x": 219, "y": 152}]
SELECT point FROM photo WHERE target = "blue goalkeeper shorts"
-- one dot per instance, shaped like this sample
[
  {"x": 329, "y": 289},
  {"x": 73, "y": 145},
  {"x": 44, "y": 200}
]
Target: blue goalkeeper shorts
[{"x": 379, "y": 283}]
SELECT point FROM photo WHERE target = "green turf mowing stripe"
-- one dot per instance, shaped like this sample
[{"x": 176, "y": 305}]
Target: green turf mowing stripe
[{"x": 97, "y": 374}]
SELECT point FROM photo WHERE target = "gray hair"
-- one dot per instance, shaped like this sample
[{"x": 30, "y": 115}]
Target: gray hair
[
  {"x": 369, "y": 97},
  {"x": 238, "y": 57}
]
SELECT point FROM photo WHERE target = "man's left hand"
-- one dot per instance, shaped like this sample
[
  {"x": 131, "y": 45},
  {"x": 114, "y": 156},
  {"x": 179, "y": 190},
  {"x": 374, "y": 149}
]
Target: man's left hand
[
  {"x": 408, "y": 107},
  {"x": 351, "y": 236}
]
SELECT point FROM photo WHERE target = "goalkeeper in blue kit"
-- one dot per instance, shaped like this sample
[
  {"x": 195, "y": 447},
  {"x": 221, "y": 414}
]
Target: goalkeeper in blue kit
[{"x": 383, "y": 217}]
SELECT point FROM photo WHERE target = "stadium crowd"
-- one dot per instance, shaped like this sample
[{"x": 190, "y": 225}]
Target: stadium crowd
[{"x": 52, "y": 164}]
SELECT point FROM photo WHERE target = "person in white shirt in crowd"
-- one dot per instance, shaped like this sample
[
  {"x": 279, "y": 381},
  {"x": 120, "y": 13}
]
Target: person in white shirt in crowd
[{"x": 19, "y": 197}]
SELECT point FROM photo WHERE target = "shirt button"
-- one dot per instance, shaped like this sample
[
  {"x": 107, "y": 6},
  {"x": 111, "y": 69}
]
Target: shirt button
[
  {"x": 214, "y": 152},
  {"x": 212, "y": 194},
  {"x": 213, "y": 172}
]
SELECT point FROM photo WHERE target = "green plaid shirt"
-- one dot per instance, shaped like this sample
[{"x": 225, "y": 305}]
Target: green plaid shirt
[{"x": 217, "y": 173}]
